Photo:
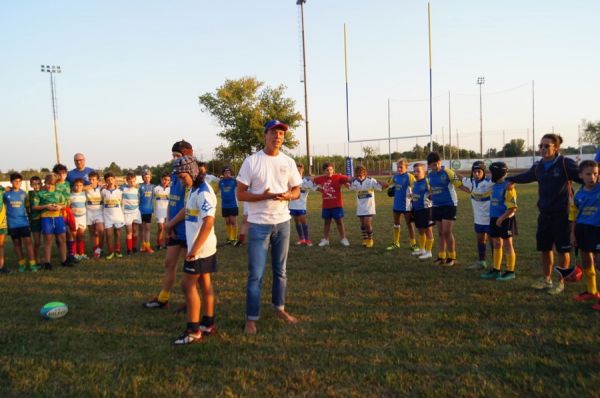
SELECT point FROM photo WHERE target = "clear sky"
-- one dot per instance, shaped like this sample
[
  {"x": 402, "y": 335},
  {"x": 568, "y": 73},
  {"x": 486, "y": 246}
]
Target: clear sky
[{"x": 132, "y": 72}]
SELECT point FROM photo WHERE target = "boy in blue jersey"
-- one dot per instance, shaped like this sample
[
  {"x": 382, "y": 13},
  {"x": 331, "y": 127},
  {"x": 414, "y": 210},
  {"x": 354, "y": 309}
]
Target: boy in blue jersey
[
  {"x": 229, "y": 206},
  {"x": 585, "y": 232},
  {"x": 421, "y": 205},
  {"x": 445, "y": 202},
  {"x": 402, "y": 183},
  {"x": 503, "y": 206},
  {"x": 18, "y": 223},
  {"x": 146, "y": 190}
]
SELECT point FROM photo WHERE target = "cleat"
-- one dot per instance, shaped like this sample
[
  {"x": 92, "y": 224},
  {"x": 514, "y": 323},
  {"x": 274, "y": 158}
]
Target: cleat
[
  {"x": 439, "y": 261},
  {"x": 557, "y": 288},
  {"x": 22, "y": 268},
  {"x": 542, "y": 284},
  {"x": 48, "y": 267},
  {"x": 239, "y": 243},
  {"x": 149, "y": 249},
  {"x": 425, "y": 256},
  {"x": 118, "y": 254},
  {"x": 308, "y": 242},
  {"x": 324, "y": 242},
  {"x": 412, "y": 247},
  {"x": 189, "y": 337},
  {"x": 4, "y": 270},
  {"x": 208, "y": 330},
  {"x": 34, "y": 268},
  {"x": 492, "y": 274},
  {"x": 585, "y": 296},
  {"x": 83, "y": 257},
  {"x": 369, "y": 243},
  {"x": 345, "y": 242},
  {"x": 506, "y": 276},
  {"x": 154, "y": 303},
  {"x": 450, "y": 262},
  {"x": 300, "y": 242},
  {"x": 110, "y": 256},
  {"x": 481, "y": 264},
  {"x": 393, "y": 246},
  {"x": 129, "y": 252},
  {"x": 418, "y": 252}
]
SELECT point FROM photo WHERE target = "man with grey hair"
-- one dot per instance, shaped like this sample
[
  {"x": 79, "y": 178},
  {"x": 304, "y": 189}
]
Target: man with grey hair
[{"x": 80, "y": 170}]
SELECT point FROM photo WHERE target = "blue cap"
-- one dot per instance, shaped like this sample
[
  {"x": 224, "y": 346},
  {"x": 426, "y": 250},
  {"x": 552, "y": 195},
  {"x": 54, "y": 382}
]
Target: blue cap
[{"x": 271, "y": 124}]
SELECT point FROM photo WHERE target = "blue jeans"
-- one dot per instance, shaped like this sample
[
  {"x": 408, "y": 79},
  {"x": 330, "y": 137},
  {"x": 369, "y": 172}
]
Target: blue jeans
[{"x": 259, "y": 238}]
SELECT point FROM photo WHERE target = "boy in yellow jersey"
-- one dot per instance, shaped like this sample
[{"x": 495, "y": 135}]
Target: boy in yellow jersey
[
  {"x": 51, "y": 203},
  {"x": 365, "y": 187},
  {"x": 94, "y": 213},
  {"x": 112, "y": 197},
  {"x": 3, "y": 232},
  {"x": 64, "y": 188},
  {"x": 421, "y": 205},
  {"x": 35, "y": 216},
  {"x": 400, "y": 188},
  {"x": 503, "y": 206}
]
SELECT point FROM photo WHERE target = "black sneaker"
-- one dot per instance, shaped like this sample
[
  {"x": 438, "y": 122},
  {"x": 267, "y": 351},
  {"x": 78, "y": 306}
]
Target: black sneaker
[
  {"x": 4, "y": 270},
  {"x": 154, "y": 303},
  {"x": 208, "y": 330},
  {"x": 439, "y": 261},
  {"x": 128, "y": 252},
  {"x": 67, "y": 263},
  {"x": 450, "y": 262},
  {"x": 238, "y": 243},
  {"x": 47, "y": 266},
  {"x": 188, "y": 337},
  {"x": 135, "y": 250}
]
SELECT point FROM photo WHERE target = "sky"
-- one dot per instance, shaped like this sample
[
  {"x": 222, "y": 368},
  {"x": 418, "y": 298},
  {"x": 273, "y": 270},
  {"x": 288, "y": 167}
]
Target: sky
[{"x": 133, "y": 71}]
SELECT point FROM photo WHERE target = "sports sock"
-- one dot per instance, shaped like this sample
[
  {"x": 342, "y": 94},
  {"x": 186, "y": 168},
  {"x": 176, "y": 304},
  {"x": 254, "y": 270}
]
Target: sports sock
[
  {"x": 413, "y": 241},
  {"x": 442, "y": 255},
  {"x": 81, "y": 247},
  {"x": 590, "y": 280},
  {"x": 305, "y": 231},
  {"x": 129, "y": 244},
  {"x": 498, "y": 259},
  {"x": 193, "y": 326},
  {"x": 31, "y": 263},
  {"x": 428, "y": 245},
  {"x": 451, "y": 255},
  {"x": 422, "y": 241},
  {"x": 21, "y": 262},
  {"x": 511, "y": 260},
  {"x": 228, "y": 231},
  {"x": 164, "y": 296},
  {"x": 397, "y": 234},
  {"x": 71, "y": 247},
  {"x": 241, "y": 238},
  {"x": 300, "y": 232},
  {"x": 370, "y": 234},
  {"x": 481, "y": 249},
  {"x": 234, "y": 232},
  {"x": 207, "y": 320}
]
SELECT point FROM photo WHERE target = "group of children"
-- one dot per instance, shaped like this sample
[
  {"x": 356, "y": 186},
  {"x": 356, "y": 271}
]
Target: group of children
[{"x": 57, "y": 212}]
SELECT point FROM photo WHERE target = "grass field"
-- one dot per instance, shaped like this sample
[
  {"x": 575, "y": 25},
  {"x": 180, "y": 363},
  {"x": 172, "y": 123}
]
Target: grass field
[{"x": 373, "y": 323}]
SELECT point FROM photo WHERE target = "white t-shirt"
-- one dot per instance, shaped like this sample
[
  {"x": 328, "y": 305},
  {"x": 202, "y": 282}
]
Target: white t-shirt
[
  {"x": 481, "y": 192},
  {"x": 300, "y": 203},
  {"x": 365, "y": 195},
  {"x": 201, "y": 203},
  {"x": 161, "y": 201},
  {"x": 277, "y": 173}
]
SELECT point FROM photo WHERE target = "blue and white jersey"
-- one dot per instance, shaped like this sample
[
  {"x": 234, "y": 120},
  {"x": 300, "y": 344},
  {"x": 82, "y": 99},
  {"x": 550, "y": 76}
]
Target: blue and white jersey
[
  {"x": 502, "y": 199},
  {"x": 131, "y": 199},
  {"x": 442, "y": 187},
  {"x": 201, "y": 203},
  {"x": 227, "y": 186},
  {"x": 421, "y": 195},
  {"x": 305, "y": 188},
  {"x": 402, "y": 191},
  {"x": 146, "y": 198},
  {"x": 481, "y": 192},
  {"x": 587, "y": 205},
  {"x": 177, "y": 197},
  {"x": 16, "y": 212},
  {"x": 77, "y": 203}
]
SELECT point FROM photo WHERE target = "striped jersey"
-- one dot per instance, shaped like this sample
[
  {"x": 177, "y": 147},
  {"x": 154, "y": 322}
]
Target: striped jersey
[
  {"x": 77, "y": 203},
  {"x": 481, "y": 192},
  {"x": 131, "y": 198}
]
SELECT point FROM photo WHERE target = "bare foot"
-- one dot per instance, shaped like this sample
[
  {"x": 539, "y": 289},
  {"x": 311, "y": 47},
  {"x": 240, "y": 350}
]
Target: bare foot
[
  {"x": 250, "y": 327},
  {"x": 281, "y": 314}
]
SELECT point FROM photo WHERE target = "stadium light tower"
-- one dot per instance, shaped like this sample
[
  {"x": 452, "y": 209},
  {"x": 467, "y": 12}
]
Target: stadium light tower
[
  {"x": 480, "y": 82},
  {"x": 308, "y": 159},
  {"x": 52, "y": 69}
]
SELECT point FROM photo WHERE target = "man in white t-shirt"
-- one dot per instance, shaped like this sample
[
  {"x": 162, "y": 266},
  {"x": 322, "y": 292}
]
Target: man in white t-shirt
[{"x": 267, "y": 181}]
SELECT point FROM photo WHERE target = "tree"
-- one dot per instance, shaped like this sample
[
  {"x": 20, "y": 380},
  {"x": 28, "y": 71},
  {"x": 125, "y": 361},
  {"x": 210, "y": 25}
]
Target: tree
[
  {"x": 369, "y": 151},
  {"x": 591, "y": 132},
  {"x": 241, "y": 108},
  {"x": 516, "y": 147},
  {"x": 114, "y": 168}
]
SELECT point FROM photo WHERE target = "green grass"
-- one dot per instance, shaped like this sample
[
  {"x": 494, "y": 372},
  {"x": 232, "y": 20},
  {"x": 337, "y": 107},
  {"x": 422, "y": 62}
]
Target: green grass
[{"x": 373, "y": 323}]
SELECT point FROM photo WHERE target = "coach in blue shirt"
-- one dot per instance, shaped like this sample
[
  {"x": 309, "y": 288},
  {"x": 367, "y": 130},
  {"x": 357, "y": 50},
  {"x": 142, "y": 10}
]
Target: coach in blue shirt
[{"x": 80, "y": 171}]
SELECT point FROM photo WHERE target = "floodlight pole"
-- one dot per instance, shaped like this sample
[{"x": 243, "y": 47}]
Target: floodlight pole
[
  {"x": 480, "y": 82},
  {"x": 308, "y": 158},
  {"x": 430, "y": 81},
  {"x": 52, "y": 69}
]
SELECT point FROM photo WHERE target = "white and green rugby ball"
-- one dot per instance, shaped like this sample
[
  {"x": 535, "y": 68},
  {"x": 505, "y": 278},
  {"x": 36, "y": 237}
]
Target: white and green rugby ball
[{"x": 54, "y": 310}]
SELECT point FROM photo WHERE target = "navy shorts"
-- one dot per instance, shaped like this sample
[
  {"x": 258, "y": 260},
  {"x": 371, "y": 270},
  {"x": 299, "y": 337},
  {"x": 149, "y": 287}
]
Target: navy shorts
[
  {"x": 147, "y": 218},
  {"x": 588, "y": 237},
  {"x": 482, "y": 229},
  {"x": 297, "y": 212},
  {"x": 18, "y": 233},
  {"x": 440, "y": 213},
  {"x": 230, "y": 212},
  {"x": 53, "y": 225},
  {"x": 200, "y": 266},
  {"x": 422, "y": 218},
  {"x": 553, "y": 232},
  {"x": 335, "y": 212},
  {"x": 504, "y": 231},
  {"x": 177, "y": 242}
]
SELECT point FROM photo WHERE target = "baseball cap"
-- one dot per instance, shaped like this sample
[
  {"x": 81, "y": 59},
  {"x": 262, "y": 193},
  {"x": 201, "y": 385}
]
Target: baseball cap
[{"x": 271, "y": 124}]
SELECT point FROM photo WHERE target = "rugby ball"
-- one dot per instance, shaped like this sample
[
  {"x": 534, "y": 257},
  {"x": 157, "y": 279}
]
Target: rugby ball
[{"x": 54, "y": 310}]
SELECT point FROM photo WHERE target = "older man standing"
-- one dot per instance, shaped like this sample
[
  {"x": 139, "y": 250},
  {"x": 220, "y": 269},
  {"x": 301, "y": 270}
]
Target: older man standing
[
  {"x": 80, "y": 170},
  {"x": 268, "y": 180}
]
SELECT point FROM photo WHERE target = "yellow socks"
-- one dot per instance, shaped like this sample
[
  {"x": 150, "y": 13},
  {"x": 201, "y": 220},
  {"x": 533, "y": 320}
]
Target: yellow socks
[
  {"x": 442, "y": 255},
  {"x": 451, "y": 255},
  {"x": 428, "y": 245},
  {"x": 234, "y": 232},
  {"x": 413, "y": 242},
  {"x": 497, "y": 262},
  {"x": 590, "y": 280},
  {"x": 164, "y": 296},
  {"x": 422, "y": 241},
  {"x": 511, "y": 260},
  {"x": 397, "y": 234}
]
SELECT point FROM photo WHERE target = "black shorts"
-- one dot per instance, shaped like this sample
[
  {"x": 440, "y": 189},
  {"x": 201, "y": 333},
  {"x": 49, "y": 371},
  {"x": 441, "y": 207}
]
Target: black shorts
[
  {"x": 553, "y": 232},
  {"x": 200, "y": 266},
  {"x": 440, "y": 213},
  {"x": 147, "y": 218},
  {"x": 588, "y": 237},
  {"x": 422, "y": 218},
  {"x": 177, "y": 242},
  {"x": 230, "y": 212},
  {"x": 18, "y": 233},
  {"x": 505, "y": 231}
]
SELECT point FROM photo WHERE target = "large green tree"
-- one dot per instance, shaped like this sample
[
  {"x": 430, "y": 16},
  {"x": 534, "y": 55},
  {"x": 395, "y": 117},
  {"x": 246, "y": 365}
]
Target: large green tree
[
  {"x": 516, "y": 147},
  {"x": 591, "y": 132},
  {"x": 241, "y": 108}
]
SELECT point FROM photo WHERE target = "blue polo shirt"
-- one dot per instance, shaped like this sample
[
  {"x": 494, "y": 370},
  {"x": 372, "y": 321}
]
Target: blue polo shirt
[{"x": 16, "y": 213}]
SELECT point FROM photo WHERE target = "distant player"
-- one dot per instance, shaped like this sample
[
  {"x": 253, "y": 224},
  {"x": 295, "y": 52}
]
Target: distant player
[
  {"x": 161, "y": 205},
  {"x": 402, "y": 183},
  {"x": 298, "y": 208},
  {"x": 421, "y": 205},
  {"x": 503, "y": 207},
  {"x": 77, "y": 201},
  {"x": 94, "y": 213},
  {"x": 330, "y": 184},
  {"x": 131, "y": 212},
  {"x": 35, "y": 217},
  {"x": 146, "y": 209},
  {"x": 365, "y": 188},
  {"x": 3, "y": 232},
  {"x": 229, "y": 205},
  {"x": 112, "y": 198}
]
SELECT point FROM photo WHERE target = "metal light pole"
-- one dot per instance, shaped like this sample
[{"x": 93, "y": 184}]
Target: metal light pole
[
  {"x": 308, "y": 158},
  {"x": 480, "y": 82},
  {"x": 52, "y": 69}
]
